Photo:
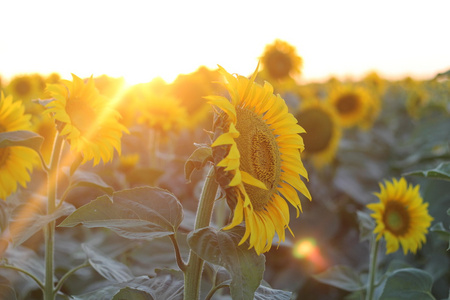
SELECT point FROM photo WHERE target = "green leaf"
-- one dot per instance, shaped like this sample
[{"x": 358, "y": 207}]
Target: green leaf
[
  {"x": 110, "y": 269},
  {"x": 442, "y": 231},
  {"x": 197, "y": 161},
  {"x": 221, "y": 248},
  {"x": 267, "y": 293},
  {"x": 442, "y": 171},
  {"x": 131, "y": 294},
  {"x": 139, "y": 213},
  {"x": 166, "y": 285},
  {"x": 22, "y": 138},
  {"x": 342, "y": 277},
  {"x": 4, "y": 218},
  {"x": 366, "y": 226},
  {"x": 32, "y": 264},
  {"x": 409, "y": 283},
  {"x": 87, "y": 179},
  {"x": 30, "y": 219}
]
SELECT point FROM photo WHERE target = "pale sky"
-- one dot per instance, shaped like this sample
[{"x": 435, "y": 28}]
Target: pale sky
[{"x": 140, "y": 40}]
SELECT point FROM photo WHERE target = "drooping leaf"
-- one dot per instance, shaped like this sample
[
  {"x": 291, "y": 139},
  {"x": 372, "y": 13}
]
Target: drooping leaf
[
  {"x": 442, "y": 171},
  {"x": 409, "y": 283},
  {"x": 132, "y": 294},
  {"x": 221, "y": 248},
  {"x": 22, "y": 138},
  {"x": 166, "y": 285},
  {"x": 197, "y": 160},
  {"x": 442, "y": 231},
  {"x": 342, "y": 277},
  {"x": 28, "y": 221},
  {"x": 88, "y": 179},
  {"x": 267, "y": 293},
  {"x": 366, "y": 226},
  {"x": 139, "y": 213},
  {"x": 110, "y": 269},
  {"x": 26, "y": 259}
]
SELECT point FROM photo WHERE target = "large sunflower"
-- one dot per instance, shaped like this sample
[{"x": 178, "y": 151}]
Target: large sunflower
[
  {"x": 323, "y": 131},
  {"x": 256, "y": 152},
  {"x": 15, "y": 162},
  {"x": 352, "y": 104},
  {"x": 401, "y": 216},
  {"x": 87, "y": 119}
]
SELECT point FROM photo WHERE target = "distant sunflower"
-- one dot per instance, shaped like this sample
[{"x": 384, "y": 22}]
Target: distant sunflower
[
  {"x": 44, "y": 125},
  {"x": 323, "y": 131},
  {"x": 417, "y": 99},
  {"x": 27, "y": 88},
  {"x": 256, "y": 150},
  {"x": 280, "y": 60},
  {"x": 86, "y": 119},
  {"x": 401, "y": 216},
  {"x": 15, "y": 162},
  {"x": 351, "y": 103}
]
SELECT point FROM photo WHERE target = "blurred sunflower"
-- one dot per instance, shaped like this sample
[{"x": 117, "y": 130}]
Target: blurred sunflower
[
  {"x": 162, "y": 113},
  {"x": 416, "y": 101},
  {"x": 27, "y": 88},
  {"x": 15, "y": 162},
  {"x": 256, "y": 150},
  {"x": 351, "y": 103},
  {"x": 323, "y": 131},
  {"x": 86, "y": 119},
  {"x": 280, "y": 60},
  {"x": 401, "y": 216},
  {"x": 108, "y": 86},
  {"x": 45, "y": 127}
]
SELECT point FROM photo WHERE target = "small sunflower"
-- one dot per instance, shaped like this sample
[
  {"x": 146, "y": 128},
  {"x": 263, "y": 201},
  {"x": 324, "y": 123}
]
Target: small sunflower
[
  {"x": 280, "y": 60},
  {"x": 256, "y": 151},
  {"x": 87, "y": 119},
  {"x": 401, "y": 216},
  {"x": 351, "y": 103},
  {"x": 27, "y": 88},
  {"x": 16, "y": 163},
  {"x": 323, "y": 131}
]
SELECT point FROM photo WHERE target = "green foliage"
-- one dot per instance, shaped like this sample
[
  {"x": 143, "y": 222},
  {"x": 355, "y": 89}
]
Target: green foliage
[
  {"x": 22, "y": 138},
  {"x": 139, "y": 213},
  {"x": 408, "y": 284},
  {"x": 442, "y": 171},
  {"x": 342, "y": 277},
  {"x": 221, "y": 248},
  {"x": 197, "y": 160}
]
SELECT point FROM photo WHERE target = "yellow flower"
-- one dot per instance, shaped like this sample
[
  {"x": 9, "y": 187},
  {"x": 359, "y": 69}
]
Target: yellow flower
[
  {"x": 257, "y": 155},
  {"x": 27, "y": 88},
  {"x": 352, "y": 104},
  {"x": 323, "y": 131},
  {"x": 87, "y": 119},
  {"x": 281, "y": 60},
  {"x": 45, "y": 127},
  {"x": 401, "y": 216},
  {"x": 15, "y": 162}
]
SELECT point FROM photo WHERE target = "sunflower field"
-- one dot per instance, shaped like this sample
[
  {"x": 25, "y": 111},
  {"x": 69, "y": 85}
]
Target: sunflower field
[{"x": 225, "y": 186}]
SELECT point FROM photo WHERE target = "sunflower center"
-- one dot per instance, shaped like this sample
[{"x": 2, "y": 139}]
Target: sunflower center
[
  {"x": 82, "y": 116},
  {"x": 319, "y": 128},
  {"x": 279, "y": 64},
  {"x": 396, "y": 218},
  {"x": 23, "y": 87},
  {"x": 260, "y": 156},
  {"x": 347, "y": 103}
]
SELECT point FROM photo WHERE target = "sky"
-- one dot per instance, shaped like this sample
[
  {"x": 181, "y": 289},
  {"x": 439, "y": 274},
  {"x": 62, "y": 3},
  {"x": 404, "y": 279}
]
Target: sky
[{"x": 141, "y": 40}]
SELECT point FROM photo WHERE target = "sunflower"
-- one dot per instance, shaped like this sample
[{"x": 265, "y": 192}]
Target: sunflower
[
  {"x": 401, "y": 216},
  {"x": 323, "y": 131},
  {"x": 87, "y": 119},
  {"x": 27, "y": 88},
  {"x": 256, "y": 151},
  {"x": 16, "y": 163},
  {"x": 45, "y": 127},
  {"x": 280, "y": 60},
  {"x": 351, "y": 103}
]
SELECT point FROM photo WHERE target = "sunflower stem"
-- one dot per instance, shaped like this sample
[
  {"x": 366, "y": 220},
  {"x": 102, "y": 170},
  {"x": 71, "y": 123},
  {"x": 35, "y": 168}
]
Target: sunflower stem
[
  {"x": 52, "y": 178},
  {"x": 372, "y": 268},
  {"x": 193, "y": 273}
]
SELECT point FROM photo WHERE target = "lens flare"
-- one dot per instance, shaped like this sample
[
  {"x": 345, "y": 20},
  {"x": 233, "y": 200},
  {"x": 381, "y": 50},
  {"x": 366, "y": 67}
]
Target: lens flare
[{"x": 307, "y": 249}]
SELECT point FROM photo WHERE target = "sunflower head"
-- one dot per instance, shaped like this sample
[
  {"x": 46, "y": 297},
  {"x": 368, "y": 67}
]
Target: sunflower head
[
  {"x": 323, "y": 131},
  {"x": 15, "y": 162},
  {"x": 352, "y": 104},
  {"x": 280, "y": 60},
  {"x": 401, "y": 216},
  {"x": 86, "y": 119},
  {"x": 256, "y": 151}
]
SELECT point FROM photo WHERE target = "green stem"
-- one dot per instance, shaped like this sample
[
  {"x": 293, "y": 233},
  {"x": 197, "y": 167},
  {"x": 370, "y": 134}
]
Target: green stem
[
  {"x": 193, "y": 273},
  {"x": 39, "y": 283},
  {"x": 372, "y": 269},
  {"x": 180, "y": 261},
  {"x": 52, "y": 179},
  {"x": 70, "y": 272}
]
